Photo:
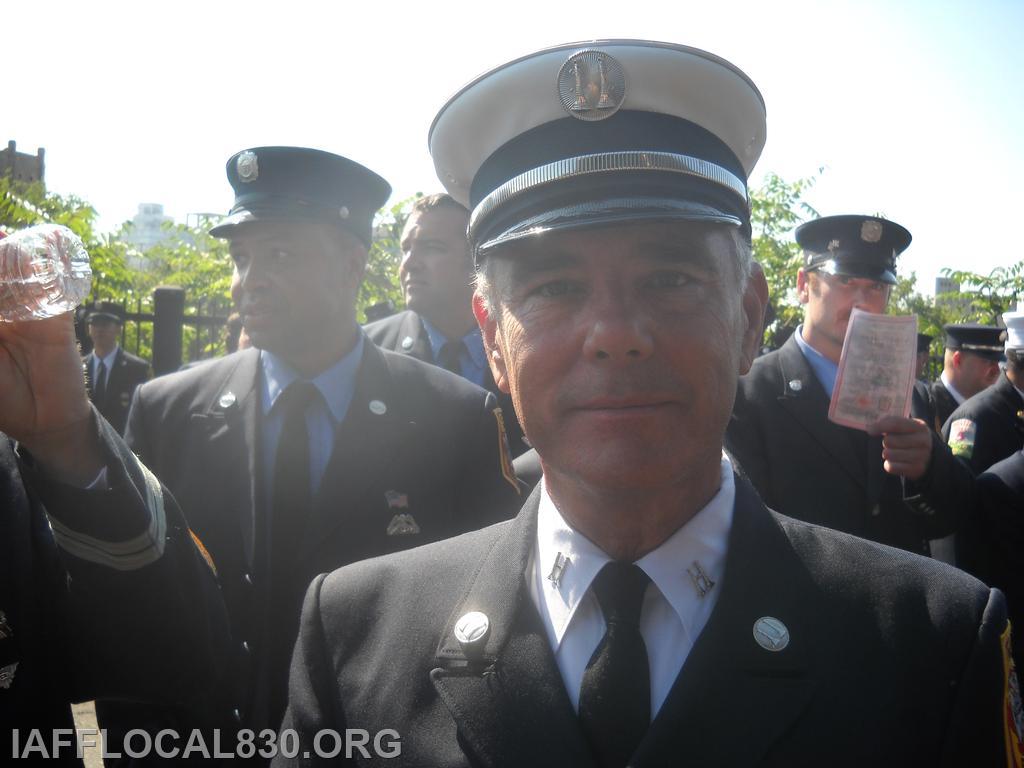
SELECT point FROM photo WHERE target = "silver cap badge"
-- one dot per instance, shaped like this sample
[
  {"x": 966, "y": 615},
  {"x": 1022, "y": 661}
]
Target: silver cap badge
[
  {"x": 472, "y": 629},
  {"x": 871, "y": 231},
  {"x": 771, "y": 634},
  {"x": 248, "y": 166},
  {"x": 591, "y": 85}
]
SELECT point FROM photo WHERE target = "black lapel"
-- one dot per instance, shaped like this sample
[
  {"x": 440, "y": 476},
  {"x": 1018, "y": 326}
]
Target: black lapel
[
  {"x": 364, "y": 447},
  {"x": 231, "y": 424},
  {"x": 808, "y": 403},
  {"x": 732, "y": 692},
  {"x": 1014, "y": 402},
  {"x": 510, "y": 704},
  {"x": 418, "y": 345}
]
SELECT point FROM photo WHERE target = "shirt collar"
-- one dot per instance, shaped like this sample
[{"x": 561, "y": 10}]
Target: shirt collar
[
  {"x": 703, "y": 539},
  {"x": 473, "y": 341},
  {"x": 825, "y": 371},
  {"x": 336, "y": 384},
  {"x": 951, "y": 389},
  {"x": 109, "y": 359}
]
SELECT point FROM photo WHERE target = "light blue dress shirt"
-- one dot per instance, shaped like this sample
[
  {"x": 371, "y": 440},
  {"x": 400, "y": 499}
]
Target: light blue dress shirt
[
  {"x": 336, "y": 385},
  {"x": 825, "y": 371},
  {"x": 472, "y": 362}
]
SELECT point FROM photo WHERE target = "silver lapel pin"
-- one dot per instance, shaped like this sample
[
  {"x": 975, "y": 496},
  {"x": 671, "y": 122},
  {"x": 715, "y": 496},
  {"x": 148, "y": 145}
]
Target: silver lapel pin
[
  {"x": 701, "y": 581},
  {"x": 558, "y": 569}
]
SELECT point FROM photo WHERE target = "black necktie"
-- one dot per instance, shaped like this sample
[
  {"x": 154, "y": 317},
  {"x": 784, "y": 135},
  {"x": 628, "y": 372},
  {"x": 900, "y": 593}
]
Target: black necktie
[
  {"x": 99, "y": 386},
  {"x": 292, "y": 495},
  {"x": 450, "y": 356},
  {"x": 615, "y": 697}
]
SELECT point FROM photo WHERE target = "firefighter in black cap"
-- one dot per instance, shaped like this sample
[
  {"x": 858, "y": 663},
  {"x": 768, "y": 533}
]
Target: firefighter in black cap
[
  {"x": 314, "y": 448},
  {"x": 970, "y": 364},
  {"x": 111, "y": 373},
  {"x": 899, "y": 485}
]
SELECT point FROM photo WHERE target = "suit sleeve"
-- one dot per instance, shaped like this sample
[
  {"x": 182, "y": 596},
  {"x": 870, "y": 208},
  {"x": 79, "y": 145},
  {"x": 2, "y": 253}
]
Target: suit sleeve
[
  {"x": 143, "y": 614},
  {"x": 943, "y": 498},
  {"x": 985, "y": 724},
  {"x": 311, "y": 694}
]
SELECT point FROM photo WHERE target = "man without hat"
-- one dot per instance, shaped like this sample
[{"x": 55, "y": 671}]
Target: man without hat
[
  {"x": 990, "y": 426},
  {"x": 970, "y": 364},
  {"x": 111, "y": 374},
  {"x": 644, "y": 607},
  {"x": 437, "y": 325},
  {"x": 898, "y": 485},
  {"x": 314, "y": 448}
]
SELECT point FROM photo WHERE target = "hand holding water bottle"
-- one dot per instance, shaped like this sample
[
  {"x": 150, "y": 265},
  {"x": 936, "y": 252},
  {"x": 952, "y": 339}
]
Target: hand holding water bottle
[{"x": 43, "y": 401}]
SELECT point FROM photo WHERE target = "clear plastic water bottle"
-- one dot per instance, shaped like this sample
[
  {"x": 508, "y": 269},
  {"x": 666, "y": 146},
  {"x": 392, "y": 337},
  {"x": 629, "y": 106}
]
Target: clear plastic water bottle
[{"x": 44, "y": 271}]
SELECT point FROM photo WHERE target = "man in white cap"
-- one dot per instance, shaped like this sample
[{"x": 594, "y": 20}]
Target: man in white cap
[
  {"x": 990, "y": 426},
  {"x": 644, "y": 606}
]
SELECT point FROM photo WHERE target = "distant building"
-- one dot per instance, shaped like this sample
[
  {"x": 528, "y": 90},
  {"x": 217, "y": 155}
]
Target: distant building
[
  {"x": 952, "y": 298},
  {"x": 20, "y": 166},
  {"x": 146, "y": 229},
  {"x": 946, "y": 285}
]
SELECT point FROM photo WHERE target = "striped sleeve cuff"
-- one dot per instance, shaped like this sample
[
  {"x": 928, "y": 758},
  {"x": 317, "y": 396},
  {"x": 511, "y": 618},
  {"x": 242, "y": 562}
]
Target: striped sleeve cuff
[{"x": 124, "y": 555}]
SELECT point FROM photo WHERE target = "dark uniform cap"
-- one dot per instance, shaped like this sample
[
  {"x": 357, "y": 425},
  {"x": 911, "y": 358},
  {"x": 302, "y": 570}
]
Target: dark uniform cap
[
  {"x": 599, "y": 133},
  {"x": 924, "y": 342},
  {"x": 982, "y": 340},
  {"x": 299, "y": 183},
  {"x": 106, "y": 310},
  {"x": 853, "y": 246}
]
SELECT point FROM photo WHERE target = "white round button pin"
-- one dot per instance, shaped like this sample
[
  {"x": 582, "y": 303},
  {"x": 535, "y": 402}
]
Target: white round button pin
[
  {"x": 796, "y": 385},
  {"x": 471, "y": 629},
  {"x": 378, "y": 407},
  {"x": 226, "y": 400},
  {"x": 407, "y": 343}
]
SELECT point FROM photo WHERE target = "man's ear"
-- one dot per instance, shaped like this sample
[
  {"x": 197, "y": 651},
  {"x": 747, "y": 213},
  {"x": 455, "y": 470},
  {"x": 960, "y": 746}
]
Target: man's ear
[
  {"x": 755, "y": 302},
  {"x": 802, "y": 285},
  {"x": 958, "y": 359},
  {"x": 489, "y": 332}
]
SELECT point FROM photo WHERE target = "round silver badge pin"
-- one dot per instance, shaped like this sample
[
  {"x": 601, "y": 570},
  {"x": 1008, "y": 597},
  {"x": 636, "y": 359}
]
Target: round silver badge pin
[
  {"x": 227, "y": 400},
  {"x": 771, "y": 634},
  {"x": 796, "y": 385},
  {"x": 591, "y": 85},
  {"x": 407, "y": 343},
  {"x": 378, "y": 407},
  {"x": 472, "y": 628}
]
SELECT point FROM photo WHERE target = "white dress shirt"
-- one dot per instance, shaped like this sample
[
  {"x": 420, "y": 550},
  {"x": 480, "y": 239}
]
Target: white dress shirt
[
  {"x": 952, "y": 390},
  {"x": 674, "y": 612},
  {"x": 108, "y": 362}
]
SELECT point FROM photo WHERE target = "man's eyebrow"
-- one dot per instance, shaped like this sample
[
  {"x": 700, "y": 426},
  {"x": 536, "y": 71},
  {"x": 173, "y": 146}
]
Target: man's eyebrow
[
  {"x": 525, "y": 263},
  {"x": 670, "y": 253}
]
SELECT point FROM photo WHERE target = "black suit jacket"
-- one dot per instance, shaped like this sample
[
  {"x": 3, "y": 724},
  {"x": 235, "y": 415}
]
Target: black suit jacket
[
  {"x": 997, "y": 414},
  {"x": 943, "y": 403},
  {"x": 127, "y": 372},
  {"x": 403, "y": 332},
  {"x": 893, "y": 659},
  {"x": 102, "y": 593},
  {"x": 433, "y": 456},
  {"x": 810, "y": 468}
]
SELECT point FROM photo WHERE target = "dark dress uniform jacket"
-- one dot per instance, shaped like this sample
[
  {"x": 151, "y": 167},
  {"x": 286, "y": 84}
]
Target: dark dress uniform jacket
[
  {"x": 390, "y": 333},
  {"x": 113, "y": 600},
  {"x": 810, "y": 468},
  {"x": 893, "y": 659},
  {"x": 127, "y": 372},
  {"x": 998, "y": 415},
  {"x": 943, "y": 403},
  {"x": 433, "y": 456}
]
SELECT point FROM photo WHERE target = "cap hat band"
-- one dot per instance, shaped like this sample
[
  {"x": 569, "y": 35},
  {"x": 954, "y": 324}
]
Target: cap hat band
[
  {"x": 981, "y": 347},
  {"x": 606, "y": 162}
]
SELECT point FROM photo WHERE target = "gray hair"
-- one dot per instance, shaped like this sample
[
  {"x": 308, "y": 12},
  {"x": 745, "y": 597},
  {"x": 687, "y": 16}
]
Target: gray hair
[{"x": 484, "y": 278}]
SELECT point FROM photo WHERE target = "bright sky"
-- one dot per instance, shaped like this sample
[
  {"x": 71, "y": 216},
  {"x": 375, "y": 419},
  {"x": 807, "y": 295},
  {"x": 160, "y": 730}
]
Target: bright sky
[{"x": 913, "y": 108}]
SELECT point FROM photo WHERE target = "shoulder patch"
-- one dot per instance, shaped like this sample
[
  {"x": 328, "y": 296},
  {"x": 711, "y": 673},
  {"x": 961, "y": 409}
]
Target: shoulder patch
[
  {"x": 1013, "y": 713},
  {"x": 505, "y": 453},
  {"x": 961, "y": 437}
]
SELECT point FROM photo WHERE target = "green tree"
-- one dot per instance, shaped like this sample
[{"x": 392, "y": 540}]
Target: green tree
[
  {"x": 778, "y": 207},
  {"x": 984, "y": 298},
  {"x": 380, "y": 282}
]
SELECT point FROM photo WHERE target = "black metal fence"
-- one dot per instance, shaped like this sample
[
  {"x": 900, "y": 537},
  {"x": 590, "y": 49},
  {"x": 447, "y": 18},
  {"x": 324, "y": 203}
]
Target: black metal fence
[{"x": 167, "y": 330}]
